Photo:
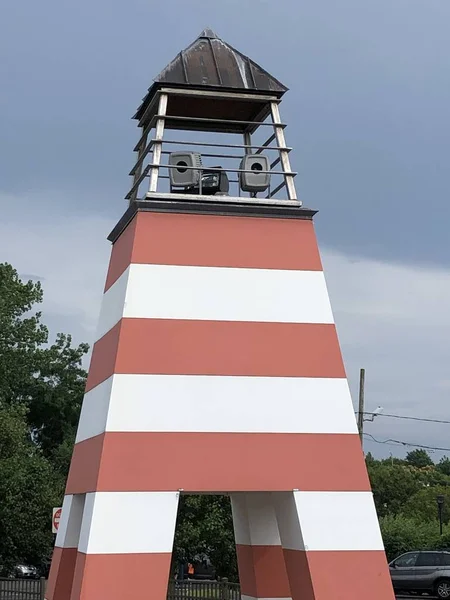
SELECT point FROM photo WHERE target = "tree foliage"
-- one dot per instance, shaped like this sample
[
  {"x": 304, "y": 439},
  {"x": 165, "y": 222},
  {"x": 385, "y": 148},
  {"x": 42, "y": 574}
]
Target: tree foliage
[
  {"x": 46, "y": 378},
  {"x": 419, "y": 458},
  {"x": 41, "y": 389},
  {"x": 422, "y": 506},
  {"x": 392, "y": 486},
  {"x": 405, "y": 493},
  {"x": 443, "y": 466},
  {"x": 205, "y": 526},
  {"x": 401, "y": 534},
  {"x": 29, "y": 488}
]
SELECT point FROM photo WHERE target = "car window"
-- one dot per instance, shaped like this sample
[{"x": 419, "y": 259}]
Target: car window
[
  {"x": 429, "y": 559},
  {"x": 407, "y": 560},
  {"x": 445, "y": 559}
]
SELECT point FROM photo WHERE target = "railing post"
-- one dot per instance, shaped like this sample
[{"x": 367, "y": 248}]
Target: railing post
[
  {"x": 224, "y": 589},
  {"x": 42, "y": 588},
  {"x": 283, "y": 152},
  {"x": 157, "y": 143}
]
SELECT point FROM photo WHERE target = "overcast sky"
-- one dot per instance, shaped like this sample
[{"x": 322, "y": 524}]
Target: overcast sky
[{"x": 368, "y": 116}]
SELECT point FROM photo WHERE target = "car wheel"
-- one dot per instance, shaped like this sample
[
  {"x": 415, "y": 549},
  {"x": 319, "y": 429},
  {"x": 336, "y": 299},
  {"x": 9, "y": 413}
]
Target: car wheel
[{"x": 442, "y": 588}]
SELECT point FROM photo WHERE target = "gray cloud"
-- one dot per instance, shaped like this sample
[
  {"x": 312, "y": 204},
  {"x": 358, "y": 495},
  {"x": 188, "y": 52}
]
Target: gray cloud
[{"x": 393, "y": 321}]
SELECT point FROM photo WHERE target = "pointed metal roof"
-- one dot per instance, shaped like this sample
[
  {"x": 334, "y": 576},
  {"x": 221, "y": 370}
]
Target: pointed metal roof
[{"x": 211, "y": 62}]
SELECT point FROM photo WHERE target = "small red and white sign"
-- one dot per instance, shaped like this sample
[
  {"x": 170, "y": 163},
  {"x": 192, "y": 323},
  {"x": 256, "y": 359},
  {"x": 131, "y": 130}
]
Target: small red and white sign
[{"x": 55, "y": 519}]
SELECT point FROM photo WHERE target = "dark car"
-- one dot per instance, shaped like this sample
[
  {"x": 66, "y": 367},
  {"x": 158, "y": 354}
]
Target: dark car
[{"x": 422, "y": 571}]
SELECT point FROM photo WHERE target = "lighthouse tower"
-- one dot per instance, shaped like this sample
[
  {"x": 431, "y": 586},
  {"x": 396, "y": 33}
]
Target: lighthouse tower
[{"x": 216, "y": 366}]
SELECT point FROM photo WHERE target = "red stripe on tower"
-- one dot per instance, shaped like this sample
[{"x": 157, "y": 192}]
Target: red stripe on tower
[
  {"x": 120, "y": 461},
  {"x": 205, "y": 240}
]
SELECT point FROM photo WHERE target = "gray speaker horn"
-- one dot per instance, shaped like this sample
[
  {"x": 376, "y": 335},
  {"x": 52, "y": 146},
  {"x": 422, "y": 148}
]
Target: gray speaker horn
[
  {"x": 257, "y": 180},
  {"x": 181, "y": 176}
]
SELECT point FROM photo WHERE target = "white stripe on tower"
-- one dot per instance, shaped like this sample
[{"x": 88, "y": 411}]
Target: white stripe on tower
[
  {"x": 303, "y": 405},
  {"x": 328, "y": 521},
  {"x": 262, "y": 571},
  {"x": 216, "y": 293}
]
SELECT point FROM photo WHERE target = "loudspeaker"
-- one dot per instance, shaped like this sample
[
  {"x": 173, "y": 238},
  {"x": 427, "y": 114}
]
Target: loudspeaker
[
  {"x": 256, "y": 181},
  {"x": 182, "y": 177}
]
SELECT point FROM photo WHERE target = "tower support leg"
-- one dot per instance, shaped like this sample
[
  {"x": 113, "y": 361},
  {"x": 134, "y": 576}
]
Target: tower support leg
[
  {"x": 124, "y": 547},
  {"x": 332, "y": 546},
  {"x": 60, "y": 579},
  {"x": 262, "y": 571}
]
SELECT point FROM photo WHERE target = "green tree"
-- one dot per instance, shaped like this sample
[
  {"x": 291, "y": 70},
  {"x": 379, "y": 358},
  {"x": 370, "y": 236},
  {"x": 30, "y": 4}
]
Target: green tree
[
  {"x": 419, "y": 458},
  {"x": 393, "y": 460},
  {"x": 402, "y": 534},
  {"x": 370, "y": 460},
  {"x": 422, "y": 505},
  {"x": 205, "y": 526},
  {"x": 431, "y": 476},
  {"x": 443, "y": 466},
  {"x": 48, "y": 379},
  {"x": 41, "y": 389},
  {"x": 57, "y": 397},
  {"x": 29, "y": 488},
  {"x": 392, "y": 486}
]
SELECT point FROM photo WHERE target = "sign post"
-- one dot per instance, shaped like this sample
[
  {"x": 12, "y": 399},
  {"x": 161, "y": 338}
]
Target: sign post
[{"x": 55, "y": 519}]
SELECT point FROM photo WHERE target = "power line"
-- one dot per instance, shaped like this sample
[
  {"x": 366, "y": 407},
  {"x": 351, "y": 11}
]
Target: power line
[
  {"x": 423, "y": 419},
  {"x": 392, "y": 442}
]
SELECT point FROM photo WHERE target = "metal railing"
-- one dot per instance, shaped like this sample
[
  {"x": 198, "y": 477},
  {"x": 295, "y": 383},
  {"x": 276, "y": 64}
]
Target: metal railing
[
  {"x": 145, "y": 173},
  {"x": 22, "y": 589},
  {"x": 34, "y": 589},
  {"x": 203, "y": 590},
  {"x": 157, "y": 146}
]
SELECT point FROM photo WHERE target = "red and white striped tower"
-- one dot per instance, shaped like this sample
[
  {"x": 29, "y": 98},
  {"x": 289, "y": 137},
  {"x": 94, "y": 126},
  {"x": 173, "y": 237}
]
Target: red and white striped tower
[{"x": 217, "y": 368}]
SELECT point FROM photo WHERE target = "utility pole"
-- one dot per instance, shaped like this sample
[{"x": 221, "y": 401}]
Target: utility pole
[{"x": 362, "y": 376}]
